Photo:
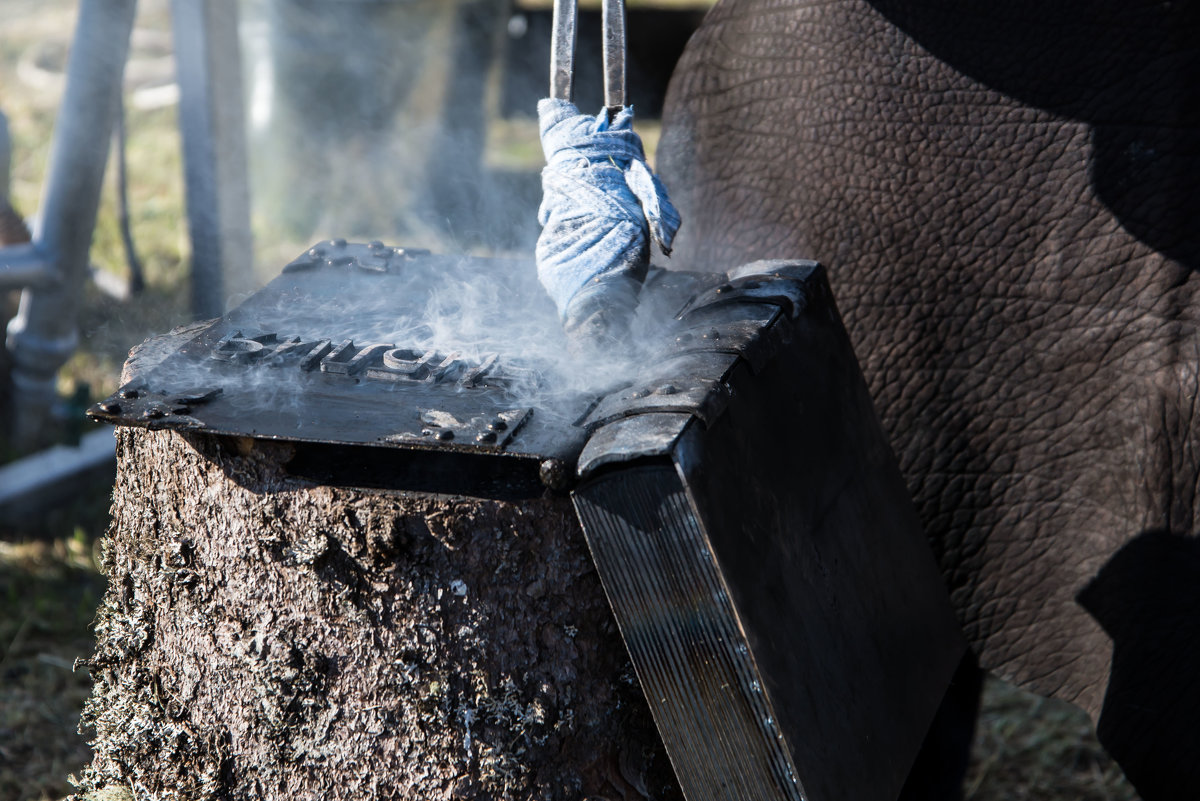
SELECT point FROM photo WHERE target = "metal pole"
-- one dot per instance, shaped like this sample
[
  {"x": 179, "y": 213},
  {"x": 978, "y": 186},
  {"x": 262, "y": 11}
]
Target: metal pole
[
  {"x": 613, "y": 19},
  {"x": 562, "y": 48},
  {"x": 43, "y": 335},
  {"x": 562, "y": 51},
  {"x": 212, "y": 125},
  {"x": 5, "y": 156}
]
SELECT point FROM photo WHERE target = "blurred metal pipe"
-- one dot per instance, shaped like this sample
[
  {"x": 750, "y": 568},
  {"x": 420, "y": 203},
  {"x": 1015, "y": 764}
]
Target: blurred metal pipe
[
  {"x": 43, "y": 335},
  {"x": 35, "y": 484},
  {"x": 213, "y": 129},
  {"x": 21, "y": 265},
  {"x": 5, "y": 156},
  {"x": 25, "y": 266}
]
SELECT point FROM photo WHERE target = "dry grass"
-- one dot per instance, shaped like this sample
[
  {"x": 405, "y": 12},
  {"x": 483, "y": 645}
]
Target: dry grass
[
  {"x": 48, "y": 595},
  {"x": 1026, "y": 748}
]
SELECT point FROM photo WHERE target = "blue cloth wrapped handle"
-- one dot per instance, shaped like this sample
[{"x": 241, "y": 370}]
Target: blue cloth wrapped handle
[{"x": 601, "y": 208}]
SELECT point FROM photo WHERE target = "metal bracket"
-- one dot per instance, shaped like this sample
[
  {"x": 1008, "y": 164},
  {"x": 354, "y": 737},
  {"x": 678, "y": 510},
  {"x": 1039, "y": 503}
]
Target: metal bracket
[
  {"x": 788, "y": 292},
  {"x": 745, "y": 330},
  {"x": 631, "y": 438},
  {"x": 678, "y": 387}
]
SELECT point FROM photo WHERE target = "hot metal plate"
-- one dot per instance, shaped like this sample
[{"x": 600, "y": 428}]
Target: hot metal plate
[
  {"x": 373, "y": 345},
  {"x": 394, "y": 348}
]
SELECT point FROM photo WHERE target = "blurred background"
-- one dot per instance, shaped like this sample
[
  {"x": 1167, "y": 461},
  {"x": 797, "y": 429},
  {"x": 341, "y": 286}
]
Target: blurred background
[{"x": 410, "y": 121}]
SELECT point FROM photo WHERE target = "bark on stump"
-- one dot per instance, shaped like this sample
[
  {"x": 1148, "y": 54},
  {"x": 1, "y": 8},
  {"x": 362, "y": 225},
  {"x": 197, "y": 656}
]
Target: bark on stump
[{"x": 265, "y": 638}]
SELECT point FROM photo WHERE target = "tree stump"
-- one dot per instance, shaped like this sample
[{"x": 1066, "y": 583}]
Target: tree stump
[{"x": 267, "y": 638}]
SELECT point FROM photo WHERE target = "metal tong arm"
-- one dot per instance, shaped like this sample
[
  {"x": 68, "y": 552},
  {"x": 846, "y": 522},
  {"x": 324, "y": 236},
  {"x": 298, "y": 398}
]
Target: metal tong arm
[{"x": 562, "y": 51}]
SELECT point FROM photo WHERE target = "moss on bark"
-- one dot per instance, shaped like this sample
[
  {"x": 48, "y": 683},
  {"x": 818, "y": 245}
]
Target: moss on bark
[{"x": 264, "y": 638}]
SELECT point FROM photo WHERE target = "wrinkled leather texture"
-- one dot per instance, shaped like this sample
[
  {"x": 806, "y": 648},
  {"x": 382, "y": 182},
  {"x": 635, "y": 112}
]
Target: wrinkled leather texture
[{"x": 1006, "y": 197}]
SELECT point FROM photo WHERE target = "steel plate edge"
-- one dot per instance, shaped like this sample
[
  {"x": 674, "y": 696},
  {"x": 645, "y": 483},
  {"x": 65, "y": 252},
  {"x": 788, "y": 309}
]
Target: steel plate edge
[{"x": 688, "y": 647}]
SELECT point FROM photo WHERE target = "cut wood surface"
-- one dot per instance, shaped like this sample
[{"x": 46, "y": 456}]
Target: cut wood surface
[{"x": 266, "y": 638}]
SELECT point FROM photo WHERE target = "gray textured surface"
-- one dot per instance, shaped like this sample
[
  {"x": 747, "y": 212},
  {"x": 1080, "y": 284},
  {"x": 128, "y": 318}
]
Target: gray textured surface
[{"x": 266, "y": 639}]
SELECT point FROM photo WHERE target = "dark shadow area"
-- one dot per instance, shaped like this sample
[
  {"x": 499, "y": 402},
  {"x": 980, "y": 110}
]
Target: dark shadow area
[
  {"x": 941, "y": 764},
  {"x": 413, "y": 470},
  {"x": 1147, "y": 598},
  {"x": 1131, "y": 70},
  {"x": 247, "y": 462}
]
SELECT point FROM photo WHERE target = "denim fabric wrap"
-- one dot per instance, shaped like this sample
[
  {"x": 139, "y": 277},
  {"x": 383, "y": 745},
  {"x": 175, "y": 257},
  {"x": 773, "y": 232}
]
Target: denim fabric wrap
[{"x": 601, "y": 206}]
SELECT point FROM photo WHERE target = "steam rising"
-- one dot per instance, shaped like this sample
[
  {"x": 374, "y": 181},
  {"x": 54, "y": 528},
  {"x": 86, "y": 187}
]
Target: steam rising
[
  {"x": 484, "y": 315},
  {"x": 474, "y": 307},
  {"x": 369, "y": 120}
]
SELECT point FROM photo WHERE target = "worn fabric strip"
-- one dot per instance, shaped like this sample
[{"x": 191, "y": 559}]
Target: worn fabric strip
[{"x": 601, "y": 207}]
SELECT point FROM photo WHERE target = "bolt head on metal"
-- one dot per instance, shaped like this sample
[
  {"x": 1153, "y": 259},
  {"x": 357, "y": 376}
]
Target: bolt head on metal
[{"x": 555, "y": 474}]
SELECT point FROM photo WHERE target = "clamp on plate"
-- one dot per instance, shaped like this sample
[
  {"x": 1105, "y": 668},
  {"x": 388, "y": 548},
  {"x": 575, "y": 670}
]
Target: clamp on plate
[{"x": 562, "y": 52}]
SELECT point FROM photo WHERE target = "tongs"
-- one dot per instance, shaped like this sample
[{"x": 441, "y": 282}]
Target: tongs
[{"x": 562, "y": 52}]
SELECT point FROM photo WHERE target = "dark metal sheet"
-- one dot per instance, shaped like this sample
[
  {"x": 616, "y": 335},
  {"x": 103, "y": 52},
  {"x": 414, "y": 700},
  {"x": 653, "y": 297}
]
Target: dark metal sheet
[
  {"x": 677, "y": 617},
  {"x": 772, "y": 581},
  {"x": 629, "y": 439},
  {"x": 342, "y": 349},
  {"x": 692, "y": 383}
]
